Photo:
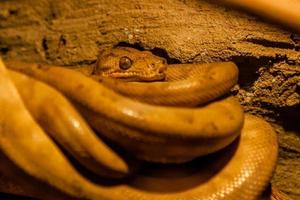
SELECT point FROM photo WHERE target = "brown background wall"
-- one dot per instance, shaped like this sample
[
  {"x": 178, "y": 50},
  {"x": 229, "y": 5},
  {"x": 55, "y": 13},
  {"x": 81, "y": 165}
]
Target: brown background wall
[{"x": 71, "y": 32}]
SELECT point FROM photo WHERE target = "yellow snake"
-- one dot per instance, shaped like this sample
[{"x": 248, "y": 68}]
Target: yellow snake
[{"x": 155, "y": 132}]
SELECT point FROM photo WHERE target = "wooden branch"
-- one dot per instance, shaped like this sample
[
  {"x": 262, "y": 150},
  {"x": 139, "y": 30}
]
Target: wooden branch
[{"x": 286, "y": 12}]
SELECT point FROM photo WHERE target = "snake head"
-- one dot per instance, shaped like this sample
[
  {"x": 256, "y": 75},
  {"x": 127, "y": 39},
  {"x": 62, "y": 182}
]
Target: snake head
[{"x": 130, "y": 65}]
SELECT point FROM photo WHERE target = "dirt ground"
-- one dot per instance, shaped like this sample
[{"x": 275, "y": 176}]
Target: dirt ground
[{"x": 72, "y": 32}]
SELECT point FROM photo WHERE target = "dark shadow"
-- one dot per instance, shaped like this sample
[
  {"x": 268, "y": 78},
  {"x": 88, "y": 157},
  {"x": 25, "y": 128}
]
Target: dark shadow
[
  {"x": 163, "y": 53},
  {"x": 4, "y": 50},
  {"x": 156, "y": 51},
  {"x": 171, "y": 178},
  {"x": 296, "y": 39},
  {"x": 133, "y": 164},
  {"x": 248, "y": 68},
  {"x": 272, "y": 44},
  {"x": 6, "y": 196},
  {"x": 126, "y": 44},
  {"x": 290, "y": 118}
]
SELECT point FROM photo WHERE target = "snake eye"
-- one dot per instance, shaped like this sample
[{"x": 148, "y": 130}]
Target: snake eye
[{"x": 125, "y": 62}]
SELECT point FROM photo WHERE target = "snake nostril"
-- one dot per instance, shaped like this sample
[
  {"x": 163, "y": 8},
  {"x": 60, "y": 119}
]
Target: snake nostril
[{"x": 152, "y": 65}]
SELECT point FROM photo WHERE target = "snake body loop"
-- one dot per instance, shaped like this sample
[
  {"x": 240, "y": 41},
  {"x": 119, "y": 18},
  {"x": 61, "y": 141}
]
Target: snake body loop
[
  {"x": 187, "y": 85},
  {"x": 211, "y": 127},
  {"x": 246, "y": 145},
  {"x": 65, "y": 125}
]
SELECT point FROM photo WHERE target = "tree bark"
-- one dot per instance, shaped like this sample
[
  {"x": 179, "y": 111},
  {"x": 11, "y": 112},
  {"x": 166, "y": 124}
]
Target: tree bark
[{"x": 72, "y": 32}]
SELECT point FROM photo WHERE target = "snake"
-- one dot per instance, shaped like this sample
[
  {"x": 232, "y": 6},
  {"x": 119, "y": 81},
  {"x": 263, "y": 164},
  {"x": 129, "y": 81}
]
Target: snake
[
  {"x": 183, "y": 116},
  {"x": 66, "y": 126}
]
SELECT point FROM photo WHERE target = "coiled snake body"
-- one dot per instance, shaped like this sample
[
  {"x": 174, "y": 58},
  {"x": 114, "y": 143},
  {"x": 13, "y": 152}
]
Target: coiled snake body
[{"x": 175, "y": 131}]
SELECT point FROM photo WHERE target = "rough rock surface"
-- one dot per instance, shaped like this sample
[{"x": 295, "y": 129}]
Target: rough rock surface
[{"x": 71, "y": 32}]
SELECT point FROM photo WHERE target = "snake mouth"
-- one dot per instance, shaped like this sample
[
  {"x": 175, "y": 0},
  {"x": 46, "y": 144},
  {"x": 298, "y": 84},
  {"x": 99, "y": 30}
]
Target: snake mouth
[{"x": 138, "y": 76}]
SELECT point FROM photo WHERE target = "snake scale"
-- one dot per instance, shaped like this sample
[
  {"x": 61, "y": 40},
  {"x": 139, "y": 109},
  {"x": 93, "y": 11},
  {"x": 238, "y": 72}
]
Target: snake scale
[{"x": 172, "y": 121}]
